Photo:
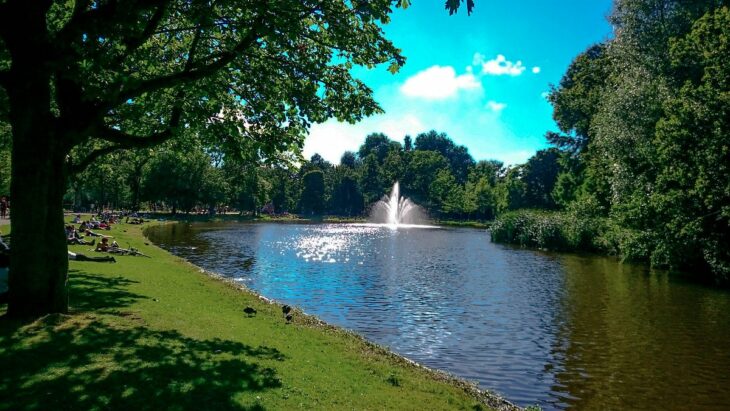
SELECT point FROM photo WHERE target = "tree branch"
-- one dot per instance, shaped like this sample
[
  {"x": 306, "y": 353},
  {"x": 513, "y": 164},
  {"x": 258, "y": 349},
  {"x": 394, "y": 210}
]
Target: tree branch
[
  {"x": 190, "y": 73},
  {"x": 135, "y": 42},
  {"x": 91, "y": 157},
  {"x": 125, "y": 140},
  {"x": 82, "y": 19}
]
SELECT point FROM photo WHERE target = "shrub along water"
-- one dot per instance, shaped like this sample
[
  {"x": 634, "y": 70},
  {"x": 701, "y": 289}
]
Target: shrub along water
[{"x": 552, "y": 230}]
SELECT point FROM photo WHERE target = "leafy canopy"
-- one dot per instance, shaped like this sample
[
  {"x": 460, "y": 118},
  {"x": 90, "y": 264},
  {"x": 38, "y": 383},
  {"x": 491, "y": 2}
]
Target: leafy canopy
[{"x": 243, "y": 76}]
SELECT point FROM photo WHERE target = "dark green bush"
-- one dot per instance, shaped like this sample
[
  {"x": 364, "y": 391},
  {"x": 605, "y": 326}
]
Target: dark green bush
[{"x": 552, "y": 230}]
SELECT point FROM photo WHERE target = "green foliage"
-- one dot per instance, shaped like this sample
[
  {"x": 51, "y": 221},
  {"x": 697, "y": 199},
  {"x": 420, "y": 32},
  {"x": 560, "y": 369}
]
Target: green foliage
[
  {"x": 346, "y": 197},
  {"x": 377, "y": 144},
  {"x": 407, "y": 143},
  {"x": 480, "y": 199},
  {"x": 176, "y": 179},
  {"x": 540, "y": 174},
  {"x": 577, "y": 99},
  {"x": 511, "y": 191},
  {"x": 458, "y": 156},
  {"x": 453, "y": 5},
  {"x": 394, "y": 166},
  {"x": 692, "y": 196},
  {"x": 422, "y": 171},
  {"x": 370, "y": 182},
  {"x": 348, "y": 159},
  {"x": 313, "y": 191},
  {"x": 552, "y": 230},
  {"x": 645, "y": 123},
  {"x": 445, "y": 194}
]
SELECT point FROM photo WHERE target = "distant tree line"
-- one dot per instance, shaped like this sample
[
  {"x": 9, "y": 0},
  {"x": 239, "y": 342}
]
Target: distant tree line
[{"x": 435, "y": 172}]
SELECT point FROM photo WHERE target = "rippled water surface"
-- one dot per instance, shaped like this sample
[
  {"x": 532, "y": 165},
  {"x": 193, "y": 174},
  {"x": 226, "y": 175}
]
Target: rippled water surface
[{"x": 555, "y": 330}]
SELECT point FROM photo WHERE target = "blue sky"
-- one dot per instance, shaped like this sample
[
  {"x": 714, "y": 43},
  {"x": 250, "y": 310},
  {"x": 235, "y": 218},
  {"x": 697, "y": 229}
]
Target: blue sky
[{"x": 481, "y": 78}]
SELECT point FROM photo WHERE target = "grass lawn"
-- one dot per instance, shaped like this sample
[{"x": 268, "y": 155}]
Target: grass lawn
[{"x": 157, "y": 333}]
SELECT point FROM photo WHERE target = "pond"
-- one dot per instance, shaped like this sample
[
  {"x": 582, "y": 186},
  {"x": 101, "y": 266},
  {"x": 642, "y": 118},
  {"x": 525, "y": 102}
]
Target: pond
[{"x": 561, "y": 331}]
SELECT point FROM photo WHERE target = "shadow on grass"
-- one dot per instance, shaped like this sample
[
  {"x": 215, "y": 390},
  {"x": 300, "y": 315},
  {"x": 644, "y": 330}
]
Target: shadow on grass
[
  {"x": 91, "y": 360},
  {"x": 89, "y": 292},
  {"x": 81, "y": 362}
]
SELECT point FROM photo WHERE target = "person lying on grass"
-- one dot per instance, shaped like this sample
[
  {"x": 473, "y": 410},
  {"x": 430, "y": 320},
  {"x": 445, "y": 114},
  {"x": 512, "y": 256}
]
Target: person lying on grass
[
  {"x": 90, "y": 233},
  {"x": 83, "y": 257}
]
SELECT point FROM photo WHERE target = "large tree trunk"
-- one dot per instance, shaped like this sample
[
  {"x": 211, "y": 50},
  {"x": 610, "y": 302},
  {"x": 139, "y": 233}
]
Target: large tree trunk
[{"x": 38, "y": 260}]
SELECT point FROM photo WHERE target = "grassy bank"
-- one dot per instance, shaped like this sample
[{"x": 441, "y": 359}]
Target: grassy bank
[
  {"x": 157, "y": 333},
  {"x": 464, "y": 223}
]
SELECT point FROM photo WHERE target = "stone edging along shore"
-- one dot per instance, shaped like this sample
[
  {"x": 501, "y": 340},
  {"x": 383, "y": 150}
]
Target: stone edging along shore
[{"x": 486, "y": 397}]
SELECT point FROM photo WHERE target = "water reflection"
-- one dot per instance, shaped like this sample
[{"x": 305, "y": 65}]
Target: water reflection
[
  {"x": 559, "y": 331},
  {"x": 644, "y": 336}
]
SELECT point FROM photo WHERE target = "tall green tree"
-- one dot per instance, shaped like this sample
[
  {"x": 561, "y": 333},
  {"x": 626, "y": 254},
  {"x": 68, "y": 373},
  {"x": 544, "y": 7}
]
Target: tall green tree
[
  {"x": 445, "y": 194},
  {"x": 377, "y": 144},
  {"x": 370, "y": 179},
  {"x": 348, "y": 159},
  {"x": 539, "y": 176},
  {"x": 692, "y": 195},
  {"x": 511, "y": 191},
  {"x": 245, "y": 76},
  {"x": 346, "y": 196},
  {"x": 393, "y": 167},
  {"x": 312, "y": 200},
  {"x": 420, "y": 173},
  {"x": 624, "y": 128},
  {"x": 284, "y": 188},
  {"x": 458, "y": 156},
  {"x": 177, "y": 179}
]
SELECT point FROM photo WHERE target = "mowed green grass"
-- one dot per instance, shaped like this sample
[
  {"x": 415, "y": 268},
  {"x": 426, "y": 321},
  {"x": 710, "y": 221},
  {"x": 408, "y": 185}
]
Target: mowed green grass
[{"x": 156, "y": 333}]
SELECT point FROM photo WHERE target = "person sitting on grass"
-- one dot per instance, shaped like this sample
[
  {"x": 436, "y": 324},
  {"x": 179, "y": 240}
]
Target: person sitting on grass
[
  {"x": 83, "y": 257},
  {"x": 73, "y": 237},
  {"x": 103, "y": 246}
]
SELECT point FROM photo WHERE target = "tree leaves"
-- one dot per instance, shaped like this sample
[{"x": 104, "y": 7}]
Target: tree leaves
[{"x": 453, "y": 6}]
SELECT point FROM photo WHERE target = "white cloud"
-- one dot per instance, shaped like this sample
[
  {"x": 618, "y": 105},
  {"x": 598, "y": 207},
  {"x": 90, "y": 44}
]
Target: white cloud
[
  {"x": 498, "y": 66},
  {"x": 331, "y": 139},
  {"x": 536, "y": 69},
  {"x": 494, "y": 106},
  {"x": 438, "y": 83}
]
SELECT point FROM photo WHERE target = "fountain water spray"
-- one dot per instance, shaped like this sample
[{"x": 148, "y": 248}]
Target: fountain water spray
[{"x": 396, "y": 210}]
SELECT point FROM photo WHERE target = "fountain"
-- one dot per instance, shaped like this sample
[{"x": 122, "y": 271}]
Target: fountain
[{"x": 395, "y": 210}]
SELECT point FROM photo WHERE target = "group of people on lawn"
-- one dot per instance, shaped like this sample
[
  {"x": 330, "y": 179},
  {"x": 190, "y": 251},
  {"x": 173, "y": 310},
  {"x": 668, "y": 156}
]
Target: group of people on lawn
[{"x": 82, "y": 234}]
